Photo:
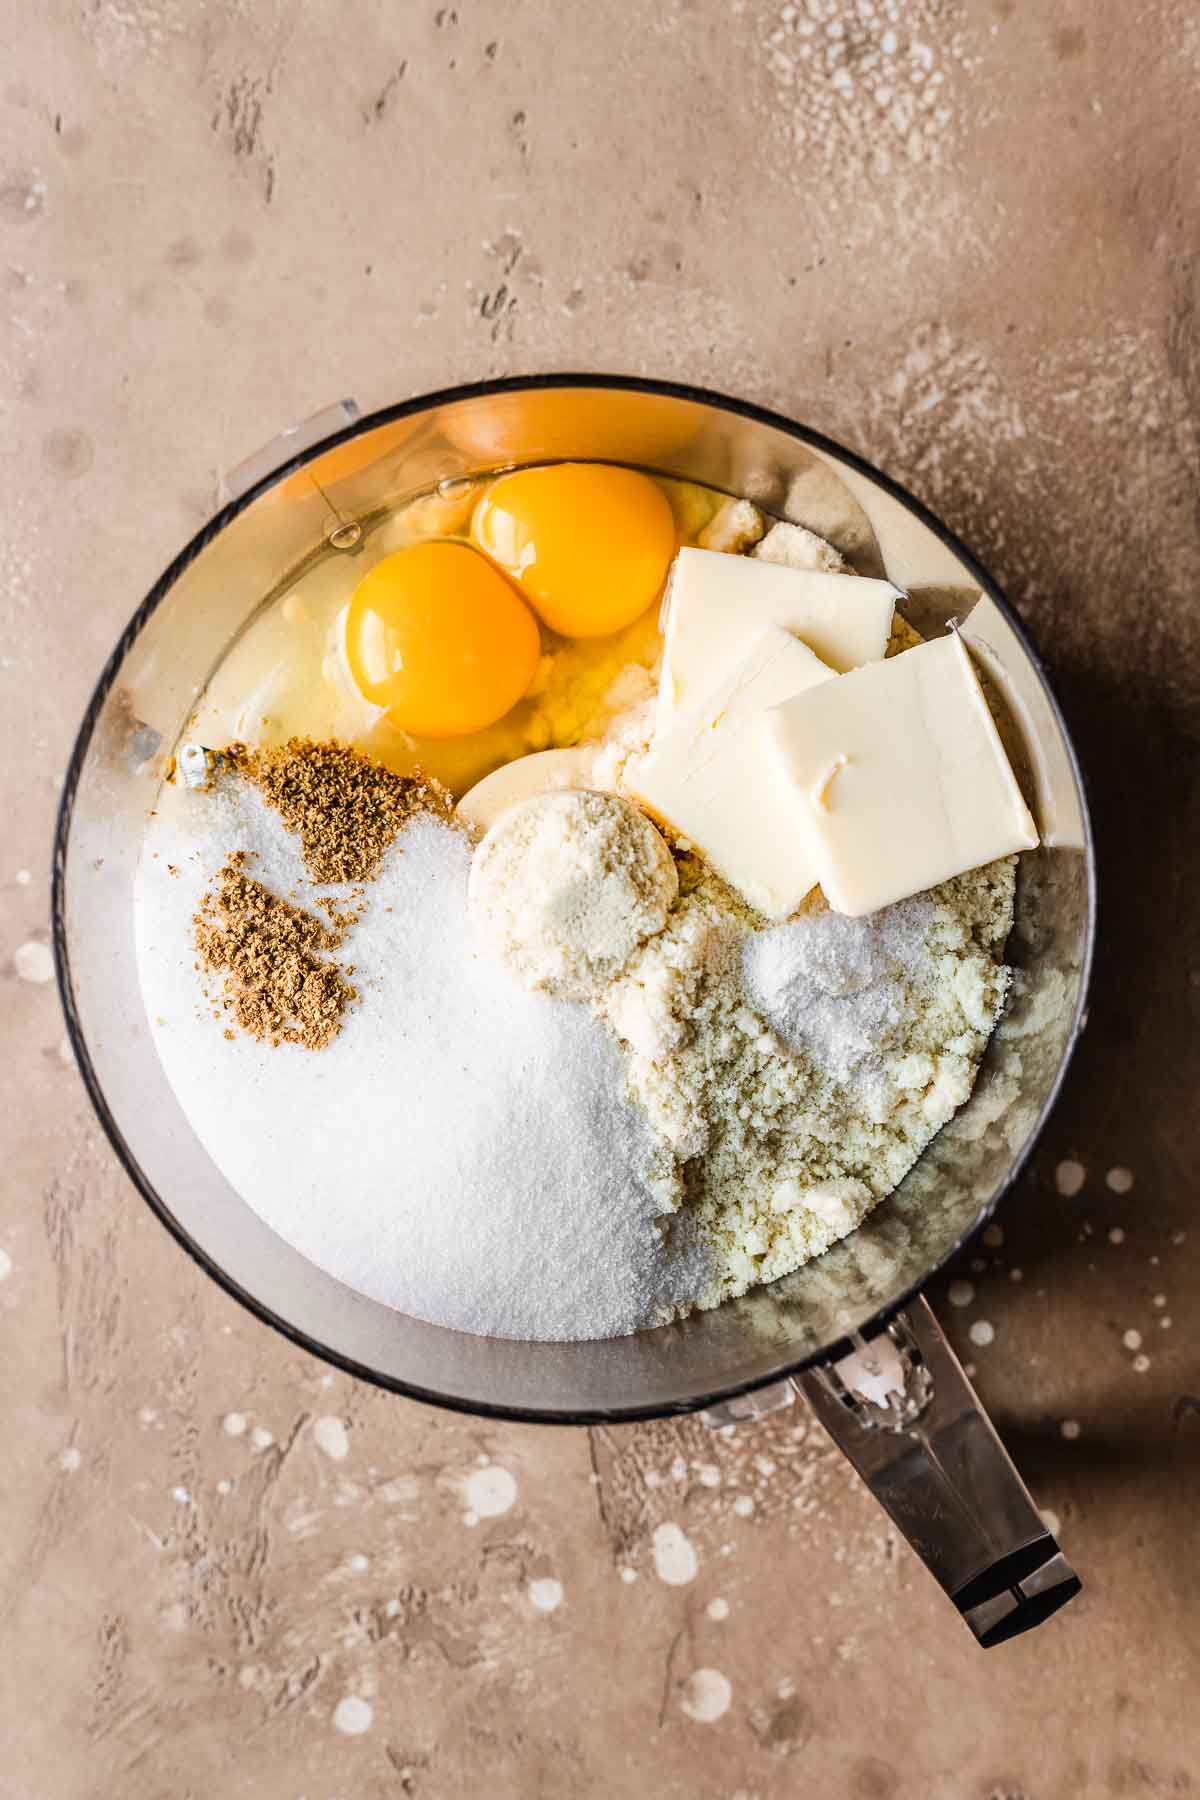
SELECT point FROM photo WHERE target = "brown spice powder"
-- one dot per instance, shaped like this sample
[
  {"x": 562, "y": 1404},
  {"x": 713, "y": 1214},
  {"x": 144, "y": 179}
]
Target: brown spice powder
[
  {"x": 345, "y": 808},
  {"x": 279, "y": 985}
]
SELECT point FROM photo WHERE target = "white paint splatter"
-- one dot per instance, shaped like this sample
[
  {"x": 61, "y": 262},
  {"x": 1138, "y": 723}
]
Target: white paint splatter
[
  {"x": 706, "y": 1696},
  {"x": 69, "y": 1459},
  {"x": 1050, "y": 1520},
  {"x": 5, "y": 1265},
  {"x": 982, "y": 1333},
  {"x": 718, "y": 1609},
  {"x": 490, "y": 1491},
  {"x": 1069, "y": 1177},
  {"x": 960, "y": 1293},
  {"x": 546, "y": 1594},
  {"x": 329, "y": 1434},
  {"x": 1132, "y": 1340},
  {"x": 353, "y": 1715},
  {"x": 1119, "y": 1180},
  {"x": 675, "y": 1560},
  {"x": 34, "y": 962},
  {"x": 234, "y": 1424},
  {"x": 1071, "y": 1429}
]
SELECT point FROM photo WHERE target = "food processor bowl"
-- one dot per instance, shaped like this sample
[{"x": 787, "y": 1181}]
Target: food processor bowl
[{"x": 849, "y": 1327}]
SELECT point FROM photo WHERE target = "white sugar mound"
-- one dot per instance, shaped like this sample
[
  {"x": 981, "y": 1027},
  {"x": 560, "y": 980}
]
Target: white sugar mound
[
  {"x": 566, "y": 886},
  {"x": 464, "y": 1150}
]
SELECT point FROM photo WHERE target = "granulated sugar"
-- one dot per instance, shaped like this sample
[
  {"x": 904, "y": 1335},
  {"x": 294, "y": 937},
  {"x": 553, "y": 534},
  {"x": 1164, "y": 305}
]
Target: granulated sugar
[{"x": 463, "y": 1150}]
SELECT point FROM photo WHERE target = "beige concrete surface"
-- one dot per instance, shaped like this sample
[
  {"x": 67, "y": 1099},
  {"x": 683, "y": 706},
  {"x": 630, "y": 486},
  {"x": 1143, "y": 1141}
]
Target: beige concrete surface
[{"x": 959, "y": 236}]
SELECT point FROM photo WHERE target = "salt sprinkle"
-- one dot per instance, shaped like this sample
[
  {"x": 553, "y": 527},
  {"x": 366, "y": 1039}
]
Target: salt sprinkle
[
  {"x": 1159, "y": 1300},
  {"x": 69, "y": 1459},
  {"x": 1116, "y": 1235},
  {"x": 982, "y": 1333},
  {"x": 23, "y": 878},
  {"x": 181, "y": 1495},
  {"x": 234, "y": 1424},
  {"x": 490, "y": 1491},
  {"x": 261, "y": 1438},
  {"x": 1070, "y": 1429},
  {"x": 5, "y": 1265},
  {"x": 1016, "y": 1274},
  {"x": 1165, "y": 1323},
  {"x": 717, "y": 1609},
  {"x": 1132, "y": 1340},
  {"x": 1140, "y": 1364},
  {"x": 358, "y": 1562},
  {"x": 329, "y": 1435},
  {"x": 353, "y": 1715},
  {"x": 224, "y": 1487},
  {"x": 743, "y": 1506},
  {"x": 1069, "y": 1177},
  {"x": 1119, "y": 1179},
  {"x": 706, "y": 1696},
  {"x": 34, "y": 962},
  {"x": 627, "y": 1574},
  {"x": 545, "y": 1594},
  {"x": 960, "y": 1293},
  {"x": 675, "y": 1560}
]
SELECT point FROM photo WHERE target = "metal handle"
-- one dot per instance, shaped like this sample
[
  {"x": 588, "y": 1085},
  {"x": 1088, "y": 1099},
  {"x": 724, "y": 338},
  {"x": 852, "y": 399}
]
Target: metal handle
[{"x": 904, "y": 1413}]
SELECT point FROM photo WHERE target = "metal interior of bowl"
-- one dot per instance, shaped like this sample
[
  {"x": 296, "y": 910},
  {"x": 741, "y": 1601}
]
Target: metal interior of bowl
[{"x": 143, "y": 701}]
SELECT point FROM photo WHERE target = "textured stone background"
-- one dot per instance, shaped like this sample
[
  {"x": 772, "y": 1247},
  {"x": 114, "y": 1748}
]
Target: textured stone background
[{"x": 958, "y": 236}]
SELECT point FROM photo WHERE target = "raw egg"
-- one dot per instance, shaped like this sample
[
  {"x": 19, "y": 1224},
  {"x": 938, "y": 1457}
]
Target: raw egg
[
  {"x": 589, "y": 544},
  {"x": 439, "y": 638}
]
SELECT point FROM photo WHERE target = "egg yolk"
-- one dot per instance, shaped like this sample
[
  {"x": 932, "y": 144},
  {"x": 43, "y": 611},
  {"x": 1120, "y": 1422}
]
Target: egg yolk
[
  {"x": 439, "y": 638},
  {"x": 589, "y": 544}
]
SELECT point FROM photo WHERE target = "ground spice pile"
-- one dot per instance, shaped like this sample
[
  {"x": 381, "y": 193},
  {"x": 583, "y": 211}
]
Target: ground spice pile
[
  {"x": 345, "y": 808},
  {"x": 279, "y": 984}
]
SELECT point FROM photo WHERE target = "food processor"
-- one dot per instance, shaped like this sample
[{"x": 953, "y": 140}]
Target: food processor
[{"x": 850, "y": 1331}]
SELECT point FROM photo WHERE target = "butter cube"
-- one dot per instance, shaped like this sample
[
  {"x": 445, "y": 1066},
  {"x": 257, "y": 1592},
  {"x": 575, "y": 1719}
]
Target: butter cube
[
  {"x": 717, "y": 603},
  {"x": 898, "y": 779},
  {"x": 709, "y": 779}
]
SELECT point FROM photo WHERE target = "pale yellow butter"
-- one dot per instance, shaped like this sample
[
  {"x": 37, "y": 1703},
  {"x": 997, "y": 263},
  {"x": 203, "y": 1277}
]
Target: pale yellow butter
[
  {"x": 897, "y": 778},
  {"x": 707, "y": 777},
  {"x": 538, "y": 773},
  {"x": 716, "y": 603}
]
